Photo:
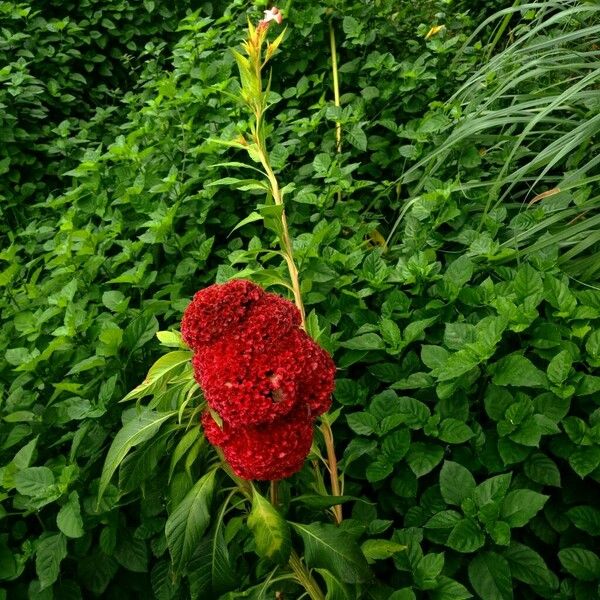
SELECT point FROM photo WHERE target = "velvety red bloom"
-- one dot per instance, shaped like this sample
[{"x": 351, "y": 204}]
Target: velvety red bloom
[
  {"x": 264, "y": 452},
  {"x": 263, "y": 375},
  {"x": 256, "y": 382},
  {"x": 216, "y": 309}
]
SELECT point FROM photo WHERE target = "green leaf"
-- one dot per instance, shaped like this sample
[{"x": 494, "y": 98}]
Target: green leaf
[
  {"x": 69, "y": 519},
  {"x": 336, "y": 590},
  {"x": 415, "y": 412},
  {"x": 381, "y": 549},
  {"x": 542, "y": 469},
  {"x": 362, "y": 423},
  {"x": 492, "y": 489},
  {"x": 327, "y": 547},
  {"x": 403, "y": 594},
  {"x": 434, "y": 357},
  {"x": 391, "y": 333},
  {"x": 586, "y": 518},
  {"x": 251, "y": 218},
  {"x": 456, "y": 483},
  {"x": 171, "y": 339},
  {"x": 449, "y": 589},
  {"x": 428, "y": 569},
  {"x": 520, "y": 506},
  {"x": 423, "y": 458},
  {"x": 489, "y": 575},
  {"x": 516, "y": 370},
  {"x": 190, "y": 519},
  {"x": 139, "y": 429},
  {"x": 395, "y": 445},
  {"x": 271, "y": 532},
  {"x": 34, "y": 481},
  {"x": 379, "y": 469},
  {"x": 445, "y": 519},
  {"x": 584, "y": 460},
  {"x": 453, "y": 431},
  {"x": 582, "y": 564},
  {"x": 528, "y": 566},
  {"x": 366, "y": 341},
  {"x": 160, "y": 369},
  {"x": 559, "y": 367},
  {"x": 466, "y": 536},
  {"x": 48, "y": 555}
]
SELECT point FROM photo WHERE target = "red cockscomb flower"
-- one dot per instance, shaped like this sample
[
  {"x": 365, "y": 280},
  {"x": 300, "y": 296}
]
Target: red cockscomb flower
[
  {"x": 264, "y": 452},
  {"x": 216, "y": 309},
  {"x": 261, "y": 374}
]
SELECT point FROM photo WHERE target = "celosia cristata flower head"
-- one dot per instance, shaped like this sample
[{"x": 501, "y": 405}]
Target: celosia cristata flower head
[
  {"x": 265, "y": 377},
  {"x": 216, "y": 309},
  {"x": 263, "y": 452}
]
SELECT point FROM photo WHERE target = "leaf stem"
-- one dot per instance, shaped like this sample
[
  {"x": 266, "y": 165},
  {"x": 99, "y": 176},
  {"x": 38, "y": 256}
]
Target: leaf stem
[
  {"x": 305, "y": 578},
  {"x": 333, "y": 468}
]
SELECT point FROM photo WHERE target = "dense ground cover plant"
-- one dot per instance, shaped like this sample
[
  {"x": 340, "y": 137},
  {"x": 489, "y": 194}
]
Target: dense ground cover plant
[{"x": 466, "y": 397}]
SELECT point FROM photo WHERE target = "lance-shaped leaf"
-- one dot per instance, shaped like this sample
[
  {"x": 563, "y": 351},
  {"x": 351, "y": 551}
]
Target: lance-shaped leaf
[
  {"x": 136, "y": 431},
  {"x": 188, "y": 522},
  {"x": 327, "y": 547},
  {"x": 270, "y": 529}
]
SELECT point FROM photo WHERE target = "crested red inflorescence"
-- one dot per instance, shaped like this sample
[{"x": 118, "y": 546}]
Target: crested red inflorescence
[{"x": 264, "y": 377}]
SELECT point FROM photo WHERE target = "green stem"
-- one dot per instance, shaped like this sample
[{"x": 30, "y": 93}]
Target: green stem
[
  {"x": 333, "y": 468},
  {"x": 336, "y": 85},
  {"x": 305, "y": 578}
]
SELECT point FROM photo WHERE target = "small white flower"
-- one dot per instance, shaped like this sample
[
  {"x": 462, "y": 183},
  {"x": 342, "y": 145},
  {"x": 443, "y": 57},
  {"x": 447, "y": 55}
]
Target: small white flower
[{"x": 274, "y": 14}]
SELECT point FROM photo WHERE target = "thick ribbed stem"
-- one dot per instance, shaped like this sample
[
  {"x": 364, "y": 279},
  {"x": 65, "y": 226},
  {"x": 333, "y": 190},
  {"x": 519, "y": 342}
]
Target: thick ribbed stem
[{"x": 305, "y": 578}]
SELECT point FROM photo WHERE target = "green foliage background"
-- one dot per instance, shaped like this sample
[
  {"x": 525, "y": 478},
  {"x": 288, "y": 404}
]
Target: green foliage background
[{"x": 467, "y": 344}]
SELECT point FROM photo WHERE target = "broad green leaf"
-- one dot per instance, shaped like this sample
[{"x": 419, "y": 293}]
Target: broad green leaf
[
  {"x": 271, "y": 532},
  {"x": 453, "y": 431},
  {"x": 379, "y": 469},
  {"x": 139, "y": 429},
  {"x": 171, "y": 339},
  {"x": 395, "y": 445},
  {"x": 449, "y": 589},
  {"x": 528, "y": 566},
  {"x": 542, "y": 469},
  {"x": 403, "y": 594},
  {"x": 466, "y": 536},
  {"x": 69, "y": 519},
  {"x": 584, "y": 460},
  {"x": 492, "y": 489},
  {"x": 366, "y": 341},
  {"x": 49, "y": 553},
  {"x": 516, "y": 370},
  {"x": 582, "y": 564},
  {"x": 362, "y": 423},
  {"x": 189, "y": 520},
  {"x": 520, "y": 506},
  {"x": 423, "y": 458},
  {"x": 34, "y": 481},
  {"x": 414, "y": 411},
  {"x": 327, "y": 547},
  {"x": 559, "y": 367},
  {"x": 380, "y": 549},
  {"x": 428, "y": 569},
  {"x": 489, "y": 574},
  {"x": 586, "y": 518},
  {"x": 445, "y": 519},
  {"x": 456, "y": 483}
]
